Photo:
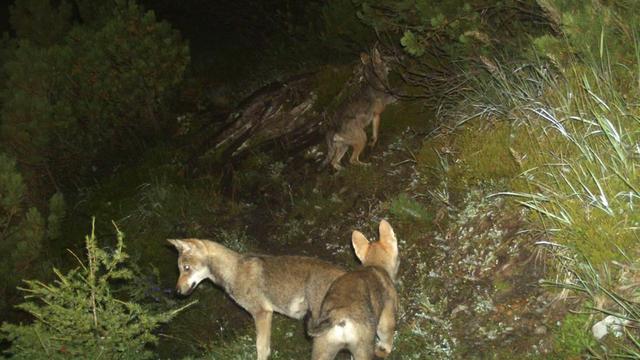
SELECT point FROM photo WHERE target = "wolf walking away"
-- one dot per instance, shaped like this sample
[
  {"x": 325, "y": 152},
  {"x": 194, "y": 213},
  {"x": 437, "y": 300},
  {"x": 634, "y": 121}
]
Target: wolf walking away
[
  {"x": 361, "y": 304},
  {"x": 261, "y": 284},
  {"x": 358, "y": 111}
]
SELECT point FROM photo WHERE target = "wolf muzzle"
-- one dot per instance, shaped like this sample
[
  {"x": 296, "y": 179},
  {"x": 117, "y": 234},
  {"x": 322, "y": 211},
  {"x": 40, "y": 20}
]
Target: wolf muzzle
[{"x": 187, "y": 292}]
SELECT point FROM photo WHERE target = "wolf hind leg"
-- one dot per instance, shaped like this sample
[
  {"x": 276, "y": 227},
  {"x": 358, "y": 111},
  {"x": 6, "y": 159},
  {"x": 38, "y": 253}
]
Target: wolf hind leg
[
  {"x": 363, "y": 348},
  {"x": 358, "y": 144},
  {"x": 324, "y": 348},
  {"x": 385, "y": 331},
  {"x": 363, "y": 353},
  {"x": 331, "y": 148}
]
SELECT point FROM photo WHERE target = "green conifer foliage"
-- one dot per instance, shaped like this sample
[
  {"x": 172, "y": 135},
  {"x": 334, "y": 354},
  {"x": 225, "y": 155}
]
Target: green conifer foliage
[
  {"x": 455, "y": 28},
  {"x": 447, "y": 38},
  {"x": 39, "y": 21},
  {"x": 57, "y": 211},
  {"x": 71, "y": 105},
  {"x": 23, "y": 230},
  {"x": 78, "y": 316}
]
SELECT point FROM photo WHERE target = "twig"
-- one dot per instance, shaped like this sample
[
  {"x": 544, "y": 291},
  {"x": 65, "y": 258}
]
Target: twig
[{"x": 404, "y": 162}]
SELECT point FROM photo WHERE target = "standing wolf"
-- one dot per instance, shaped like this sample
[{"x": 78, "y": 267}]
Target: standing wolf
[
  {"x": 261, "y": 284},
  {"x": 359, "y": 110},
  {"x": 361, "y": 304}
]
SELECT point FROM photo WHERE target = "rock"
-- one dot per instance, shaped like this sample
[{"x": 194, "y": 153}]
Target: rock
[
  {"x": 540, "y": 330},
  {"x": 610, "y": 324},
  {"x": 458, "y": 309}
]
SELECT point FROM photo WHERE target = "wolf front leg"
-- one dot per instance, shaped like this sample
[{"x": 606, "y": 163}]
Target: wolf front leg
[
  {"x": 376, "y": 129},
  {"x": 263, "y": 333},
  {"x": 341, "y": 149}
]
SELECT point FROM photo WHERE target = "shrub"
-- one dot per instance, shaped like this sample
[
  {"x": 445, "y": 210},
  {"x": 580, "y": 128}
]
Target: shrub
[
  {"x": 407, "y": 209},
  {"x": 23, "y": 230},
  {"x": 39, "y": 21},
  {"x": 69, "y": 104},
  {"x": 79, "y": 316}
]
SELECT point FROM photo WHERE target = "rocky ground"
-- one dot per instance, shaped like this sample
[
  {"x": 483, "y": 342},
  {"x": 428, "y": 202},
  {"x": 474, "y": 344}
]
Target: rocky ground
[{"x": 470, "y": 270}]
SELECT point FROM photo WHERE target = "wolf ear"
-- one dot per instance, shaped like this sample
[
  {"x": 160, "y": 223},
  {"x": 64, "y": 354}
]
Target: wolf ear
[
  {"x": 360, "y": 245},
  {"x": 180, "y": 245},
  {"x": 387, "y": 235},
  {"x": 365, "y": 58},
  {"x": 376, "y": 55}
]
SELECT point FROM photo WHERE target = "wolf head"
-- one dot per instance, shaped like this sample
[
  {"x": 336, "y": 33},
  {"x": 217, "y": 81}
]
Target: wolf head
[
  {"x": 382, "y": 253},
  {"x": 376, "y": 70},
  {"x": 192, "y": 264}
]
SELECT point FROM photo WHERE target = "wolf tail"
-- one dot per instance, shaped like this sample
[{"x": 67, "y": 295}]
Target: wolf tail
[{"x": 323, "y": 324}]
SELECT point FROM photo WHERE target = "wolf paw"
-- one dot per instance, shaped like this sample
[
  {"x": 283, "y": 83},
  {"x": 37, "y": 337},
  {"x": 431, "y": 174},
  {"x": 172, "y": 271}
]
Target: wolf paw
[
  {"x": 382, "y": 352},
  {"x": 360, "y": 163}
]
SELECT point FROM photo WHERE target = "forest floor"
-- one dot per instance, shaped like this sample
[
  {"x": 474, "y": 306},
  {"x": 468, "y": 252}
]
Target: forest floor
[{"x": 470, "y": 272}]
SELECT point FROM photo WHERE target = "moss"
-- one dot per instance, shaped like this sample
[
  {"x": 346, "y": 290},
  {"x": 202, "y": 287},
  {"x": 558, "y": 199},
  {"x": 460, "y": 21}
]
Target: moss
[
  {"x": 432, "y": 159},
  {"x": 473, "y": 154},
  {"x": 484, "y": 151},
  {"x": 405, "y": 208},
  {"x": 572, "y": 339},
  {"x": 457, "y": 160},
  {"x": 501, "y": 286},
  {"x": 362, "y": 178},
  {"x": 402, "y": 115},
  {"x": 597, "y": 235},
  {"x": 287, "y": 342}
]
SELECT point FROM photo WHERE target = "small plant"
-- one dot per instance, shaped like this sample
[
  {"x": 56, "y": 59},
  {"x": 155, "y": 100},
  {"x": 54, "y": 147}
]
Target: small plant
[
  {"x": 604, "y": 291},
  {"x": 407, "y": 209},
  {"x": 236, "y": 240},
  {"x": 242, "y": 347},
  {"x": 572, "y": 339},
  {"x": 78, "y": 315},
  {"x": 287, "y": 342}
]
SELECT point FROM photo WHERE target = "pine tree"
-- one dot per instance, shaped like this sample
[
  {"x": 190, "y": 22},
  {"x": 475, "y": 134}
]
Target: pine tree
[
  {"x": 73, "y": 100},
  {"x": 40, "y": 21},
  {"x": 23, "y": 230},
  {"x": 78, "y": 316}
]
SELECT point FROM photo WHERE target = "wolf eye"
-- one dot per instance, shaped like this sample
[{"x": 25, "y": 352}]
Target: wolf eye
[{"x": 186, "y": 267}]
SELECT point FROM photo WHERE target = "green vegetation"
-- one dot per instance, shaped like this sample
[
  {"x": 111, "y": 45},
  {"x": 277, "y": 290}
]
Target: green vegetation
[
  {"x": 561, "y": 119},
  {"x": 80, "y": 94},
  {"x": 23, "y": 230},
  {"x": 407, "y": 209},
  {"x": 572, "y": 338},
  {"x": 79, "y": 315},
  {"x": 517, "y": 123}
]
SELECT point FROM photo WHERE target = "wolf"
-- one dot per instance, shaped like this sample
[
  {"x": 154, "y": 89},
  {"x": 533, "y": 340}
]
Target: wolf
[
  {"x": 261, "y": 284},
  {"x": 361, "y": 304},
  {"x": 355, "y": 113}
]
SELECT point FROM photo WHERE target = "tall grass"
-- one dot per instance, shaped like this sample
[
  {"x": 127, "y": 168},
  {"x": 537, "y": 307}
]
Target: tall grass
[
  {"x": 575, "y": 136},
  {"x": 607, "y": 290}
]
